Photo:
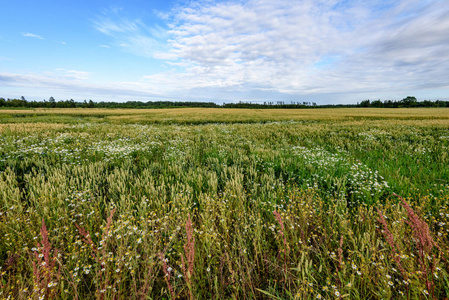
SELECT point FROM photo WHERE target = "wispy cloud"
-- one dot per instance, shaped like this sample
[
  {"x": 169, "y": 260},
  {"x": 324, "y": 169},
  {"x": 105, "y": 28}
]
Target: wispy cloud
[
  {"x": 293, "y": 47},
  {"x": 132, "y": 34},
  {"x": 32, "y": 35},
  {"x": 247, "y": 49},
  {"x": 77, "y": 75},
  {"x": 286, "y": 46},
  {"x": 74, "y": 83},
  {"x": 68, "y": 74}
]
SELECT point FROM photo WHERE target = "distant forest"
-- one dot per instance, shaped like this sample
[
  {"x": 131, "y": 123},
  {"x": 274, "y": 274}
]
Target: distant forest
[{"x": 52, "y": 103}]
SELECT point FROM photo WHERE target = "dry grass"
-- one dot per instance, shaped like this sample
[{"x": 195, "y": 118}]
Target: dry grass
[{"x": 195, "y": 115}]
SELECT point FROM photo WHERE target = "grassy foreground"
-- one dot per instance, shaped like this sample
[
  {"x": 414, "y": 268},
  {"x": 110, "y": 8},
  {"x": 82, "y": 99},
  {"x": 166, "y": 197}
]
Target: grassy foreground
[{"x": 224, "y": 204}]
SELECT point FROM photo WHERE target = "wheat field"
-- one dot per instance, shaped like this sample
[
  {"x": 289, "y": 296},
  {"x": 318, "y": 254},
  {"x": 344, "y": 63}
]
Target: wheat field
[{"x": 224, "y": 204}]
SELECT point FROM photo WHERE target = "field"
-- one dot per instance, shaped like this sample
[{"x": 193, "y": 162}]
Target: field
[{"x": 224, "y": 204}]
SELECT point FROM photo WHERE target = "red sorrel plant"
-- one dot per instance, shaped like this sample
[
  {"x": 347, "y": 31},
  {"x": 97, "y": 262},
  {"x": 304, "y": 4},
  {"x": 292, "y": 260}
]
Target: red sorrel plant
[
  {"x": 390, "y": 239},
  {"x": 340, "y": 253},
  {"x": 100, "y": 259},
  {"x": 286, "y": 248},
  {"x": 45, "y": 276},
  {"x": 425, "y": 244},
  {"x": 87, "y": 239},
  {"x": 167, "y": 273},
  {"x": 189, "y": 250},
  {"x": 340, "y": 259}
]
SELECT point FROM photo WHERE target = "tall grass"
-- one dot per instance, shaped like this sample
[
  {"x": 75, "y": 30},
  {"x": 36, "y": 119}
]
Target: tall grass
[{"x": 278, "y": 210}]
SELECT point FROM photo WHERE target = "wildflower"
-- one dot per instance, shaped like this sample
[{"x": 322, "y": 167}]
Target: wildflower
[
  {"x": 337, "y": 293},
  {"x": 208, "y": 269},
  {"x": 354, "y": 266},
  {"x": 118, "y": 270},
  {"x": 426, "y": 292},
  {"x": 390, "y": 283},
  {"x": 319, "y": 296},
  {"x": 359, "y": 273}
]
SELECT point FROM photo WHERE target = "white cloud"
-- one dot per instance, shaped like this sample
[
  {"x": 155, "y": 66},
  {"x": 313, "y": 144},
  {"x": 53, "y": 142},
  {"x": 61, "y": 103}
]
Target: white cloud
[
  {"x": 275, "y": 49},
  {"x": 133, "y": 35},
  {"x": 72, "y": 84},
  {"x": 77, "y": 75},
  {"x": 27, "y": 34},
  {"x": 307, "y": 47},
  {"x": 68, "y": 74}
]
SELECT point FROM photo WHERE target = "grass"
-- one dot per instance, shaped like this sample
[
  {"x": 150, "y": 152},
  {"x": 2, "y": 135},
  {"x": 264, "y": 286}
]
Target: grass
[
  {"x": 215, "y": 115},
  {"x": 224, "y": 204}
]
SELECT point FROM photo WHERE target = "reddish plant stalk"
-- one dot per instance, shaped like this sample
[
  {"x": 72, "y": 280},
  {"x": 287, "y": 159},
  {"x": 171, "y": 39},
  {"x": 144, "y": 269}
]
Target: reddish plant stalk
[
  {"x": 44, "y": 266},
  {"x": 189, "y": 250},
  {"x": 99, "y": 258},
  {"x": 390, "y": 239},
  {"x": 425, "y": 244},
  {"x": 167, "y": 274},
  {"x": 340, "y": 253},
  {"x": 286, "y": 248}
]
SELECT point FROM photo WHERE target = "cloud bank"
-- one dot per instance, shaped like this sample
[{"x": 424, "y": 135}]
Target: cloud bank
[
  {"x": 306, "y": 47},
  {"x": 279, "y": 49}
]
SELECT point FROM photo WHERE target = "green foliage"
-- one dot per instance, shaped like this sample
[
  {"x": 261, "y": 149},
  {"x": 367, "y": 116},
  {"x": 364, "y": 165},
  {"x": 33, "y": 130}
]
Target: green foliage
[
  {"x": 52, "y": 103},
  {"x": 244, "y": 210}
]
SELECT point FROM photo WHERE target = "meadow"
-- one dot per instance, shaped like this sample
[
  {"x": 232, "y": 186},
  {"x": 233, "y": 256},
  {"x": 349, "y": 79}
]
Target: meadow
[{"x": 200, "y": 203}]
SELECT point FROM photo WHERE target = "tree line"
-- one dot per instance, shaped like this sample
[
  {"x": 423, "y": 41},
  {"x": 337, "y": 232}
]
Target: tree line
[
  {"x": 406, "y": 102},
  {"x": 52, "y": 103}
]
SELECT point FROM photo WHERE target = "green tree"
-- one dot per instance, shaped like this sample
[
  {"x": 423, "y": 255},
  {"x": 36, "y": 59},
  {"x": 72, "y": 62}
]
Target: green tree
[
  {"x": 51, "y": 102},
  {"x": 409, "y": 101}
]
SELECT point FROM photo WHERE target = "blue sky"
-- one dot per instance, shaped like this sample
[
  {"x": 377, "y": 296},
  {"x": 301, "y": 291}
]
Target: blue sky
[{"x": 325, "y": 51}]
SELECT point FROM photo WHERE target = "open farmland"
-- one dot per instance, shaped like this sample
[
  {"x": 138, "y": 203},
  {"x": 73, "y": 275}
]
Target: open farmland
[{"x": 224, "y": 204}]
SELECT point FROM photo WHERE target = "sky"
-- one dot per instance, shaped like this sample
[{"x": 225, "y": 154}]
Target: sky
[{"x": 322, "y": 51}]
